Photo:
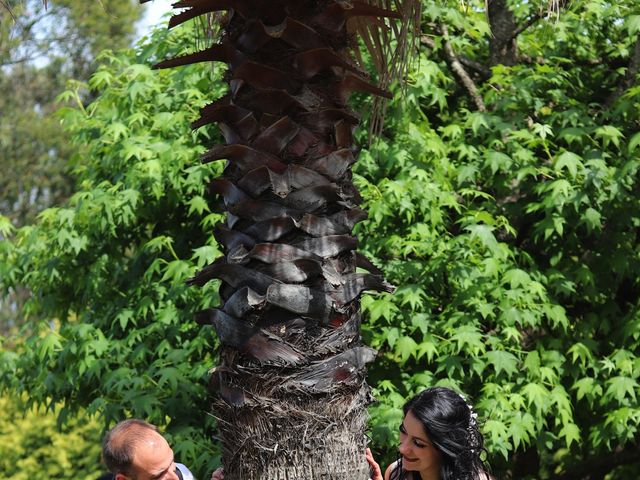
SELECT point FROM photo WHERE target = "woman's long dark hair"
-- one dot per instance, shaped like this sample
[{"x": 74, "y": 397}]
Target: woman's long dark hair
[{"x": 451, "y": 426}]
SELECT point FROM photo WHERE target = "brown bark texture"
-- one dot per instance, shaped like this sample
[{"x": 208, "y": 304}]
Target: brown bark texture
[
  {"x": 503, "y": 46},
  {"x": 291, "y": 395}
]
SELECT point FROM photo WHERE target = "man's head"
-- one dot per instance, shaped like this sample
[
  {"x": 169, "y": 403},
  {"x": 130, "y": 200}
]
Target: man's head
[{"x": 134, "y": 450}]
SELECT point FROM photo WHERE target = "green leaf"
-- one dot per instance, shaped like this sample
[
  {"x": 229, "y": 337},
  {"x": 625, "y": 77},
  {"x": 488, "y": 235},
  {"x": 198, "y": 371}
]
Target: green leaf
[
  {"x": 116, "y": 131},
  {"x": 532, "y": 362},
  {"x": 557, "y": 315},
  {"x": 503, "y": 361},
  {"x": 430, "y": 349},
  {"x": 635, "y": 140},
  {"x": 536, "y": 394},
  {"x": 587, "y": 388},
  {"x": 569, "y": 161},
  {"x": 632, "y": 24},
  {"x": 411, "y": 294},
  {"x": 198, "y": 205},
  {"x": 101, "y": 79},
  {"x": 579, "y": 351},
  {"x": 49, "y": 345},
  {"x": 6, "y": 227},
  {"x": 571, "y": 433},
  {"x": 169, "y": 377},
  {"x": 498, "y": 161},
  {"x": 177, "y": 271},
  {"x": 478, "y": 121},
  {"x": 205, "y": 255},
  {"x": 593, "y": 219},
  {"x": 468, "y": 338},
  {"x": 543, "y": 131},
  {"x": 406, "y": 347},
  {"x": 391, "y": 336},
  {"x": 573, "y": 135},
  {"x": 620, "y": 388},
  {"x": 484, "y": 233},
  {"x": 159, "y": 243},
  {"x": 498, "y": 435},
  {"x": 521, "y": 427},
  {"x": 381, "y": 307},
  {"x": 609, "y": 133},
  {"x": 516, "y": 278}
]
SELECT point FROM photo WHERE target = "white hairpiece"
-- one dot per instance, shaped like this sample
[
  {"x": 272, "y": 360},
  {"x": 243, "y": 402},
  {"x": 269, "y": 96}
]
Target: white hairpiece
[{"x": 473, "y": 420}]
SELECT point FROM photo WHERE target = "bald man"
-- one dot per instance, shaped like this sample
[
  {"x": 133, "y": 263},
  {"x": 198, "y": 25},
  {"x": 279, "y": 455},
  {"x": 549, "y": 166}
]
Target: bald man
[{"x": 135, "y": 450}]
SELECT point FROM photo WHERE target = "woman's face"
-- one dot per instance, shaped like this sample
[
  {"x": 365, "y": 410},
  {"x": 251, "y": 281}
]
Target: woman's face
[{"x": 418, "y": 453}]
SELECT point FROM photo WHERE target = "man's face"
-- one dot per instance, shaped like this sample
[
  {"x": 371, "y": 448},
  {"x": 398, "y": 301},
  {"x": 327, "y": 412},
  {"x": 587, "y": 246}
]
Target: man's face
[{"x": 152, "y": 460}]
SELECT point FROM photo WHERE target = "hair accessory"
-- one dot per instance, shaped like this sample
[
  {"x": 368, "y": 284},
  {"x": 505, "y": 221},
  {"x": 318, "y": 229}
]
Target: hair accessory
[{"x": 472, "y": 428}]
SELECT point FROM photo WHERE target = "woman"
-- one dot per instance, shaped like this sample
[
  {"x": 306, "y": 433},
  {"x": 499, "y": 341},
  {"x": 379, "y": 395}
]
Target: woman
[{"x": 439, "y": 440}]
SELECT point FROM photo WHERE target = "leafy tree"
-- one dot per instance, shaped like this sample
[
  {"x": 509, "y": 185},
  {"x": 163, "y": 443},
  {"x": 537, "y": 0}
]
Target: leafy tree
[
  {"x": 111, "y": 325},
  {"x": 40, "y": 49},
  {"x": 503, "y": 200}
]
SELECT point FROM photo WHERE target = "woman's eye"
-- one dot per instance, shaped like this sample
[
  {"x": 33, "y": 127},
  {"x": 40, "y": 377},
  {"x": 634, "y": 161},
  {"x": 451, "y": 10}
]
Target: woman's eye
[{"x": 419, "y": 445}]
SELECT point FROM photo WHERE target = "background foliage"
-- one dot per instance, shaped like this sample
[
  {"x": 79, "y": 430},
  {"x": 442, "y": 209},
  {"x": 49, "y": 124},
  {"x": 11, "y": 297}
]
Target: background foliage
[
  {"x": 509, "y": 224},
  {"x": 111, "y": 328},
  {"x": 513, "y": 237},
  {"x": 32, "y": 445},
  {"x": 40, "y": 49}
]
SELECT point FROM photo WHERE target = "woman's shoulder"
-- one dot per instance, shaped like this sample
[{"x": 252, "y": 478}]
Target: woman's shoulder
[
  {"x": 485, "y": 476},
  {"x": 390, "y": 469}
]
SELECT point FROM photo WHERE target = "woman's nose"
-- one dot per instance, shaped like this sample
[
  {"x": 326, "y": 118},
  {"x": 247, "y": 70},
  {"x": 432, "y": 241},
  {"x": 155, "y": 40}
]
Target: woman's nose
[{"x": 404, "y": 448}]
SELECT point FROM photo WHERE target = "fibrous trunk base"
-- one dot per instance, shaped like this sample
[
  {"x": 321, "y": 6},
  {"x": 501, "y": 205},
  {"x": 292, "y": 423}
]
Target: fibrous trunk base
[{"x": 311, "y": 439}]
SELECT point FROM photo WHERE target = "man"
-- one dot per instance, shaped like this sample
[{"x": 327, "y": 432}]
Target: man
[{"x": 135, "y": 450}]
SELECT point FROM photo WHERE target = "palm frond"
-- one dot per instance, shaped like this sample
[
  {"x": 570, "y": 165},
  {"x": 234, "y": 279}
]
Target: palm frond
[
  {"x": 390, "y": 43},
  {"x": 7, "y": 7}
]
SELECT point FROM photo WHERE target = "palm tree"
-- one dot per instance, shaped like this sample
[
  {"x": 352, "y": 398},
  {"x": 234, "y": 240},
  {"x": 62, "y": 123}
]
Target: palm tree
[{"x": 292, "y": 394}]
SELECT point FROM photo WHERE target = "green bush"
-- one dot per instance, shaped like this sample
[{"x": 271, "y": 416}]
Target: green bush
[{"x": 32, "y": 447}]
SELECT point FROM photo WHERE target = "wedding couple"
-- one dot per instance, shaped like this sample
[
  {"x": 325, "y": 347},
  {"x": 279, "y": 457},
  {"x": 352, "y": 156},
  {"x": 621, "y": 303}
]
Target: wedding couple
[{"x": 439, "y": 440}]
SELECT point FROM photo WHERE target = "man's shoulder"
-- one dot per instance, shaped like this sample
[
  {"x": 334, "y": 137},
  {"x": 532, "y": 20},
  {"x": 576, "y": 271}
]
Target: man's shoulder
[{"x": 185, "y": 473}]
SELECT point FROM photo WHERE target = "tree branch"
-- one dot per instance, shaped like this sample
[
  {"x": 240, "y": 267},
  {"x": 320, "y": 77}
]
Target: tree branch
[
  {"x": 428, "y": 41},
  {"x": 479, "y": 68},
  {"x": 502, "y": 44},
  {"x": 16, "y": 61},
  {"x": 484, "y": 71},
  {"x": 459, "y": 70},
  {"x": 533, "y": 19},
  {"x": 7, "y": 7},
  {"x": 553, "y": 6},
  {"x": 629, "y": 79}
]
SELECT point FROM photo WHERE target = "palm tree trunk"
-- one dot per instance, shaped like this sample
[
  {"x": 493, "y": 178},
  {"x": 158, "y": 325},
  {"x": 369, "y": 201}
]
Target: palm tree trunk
[{"x": 292, "y": 394}]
